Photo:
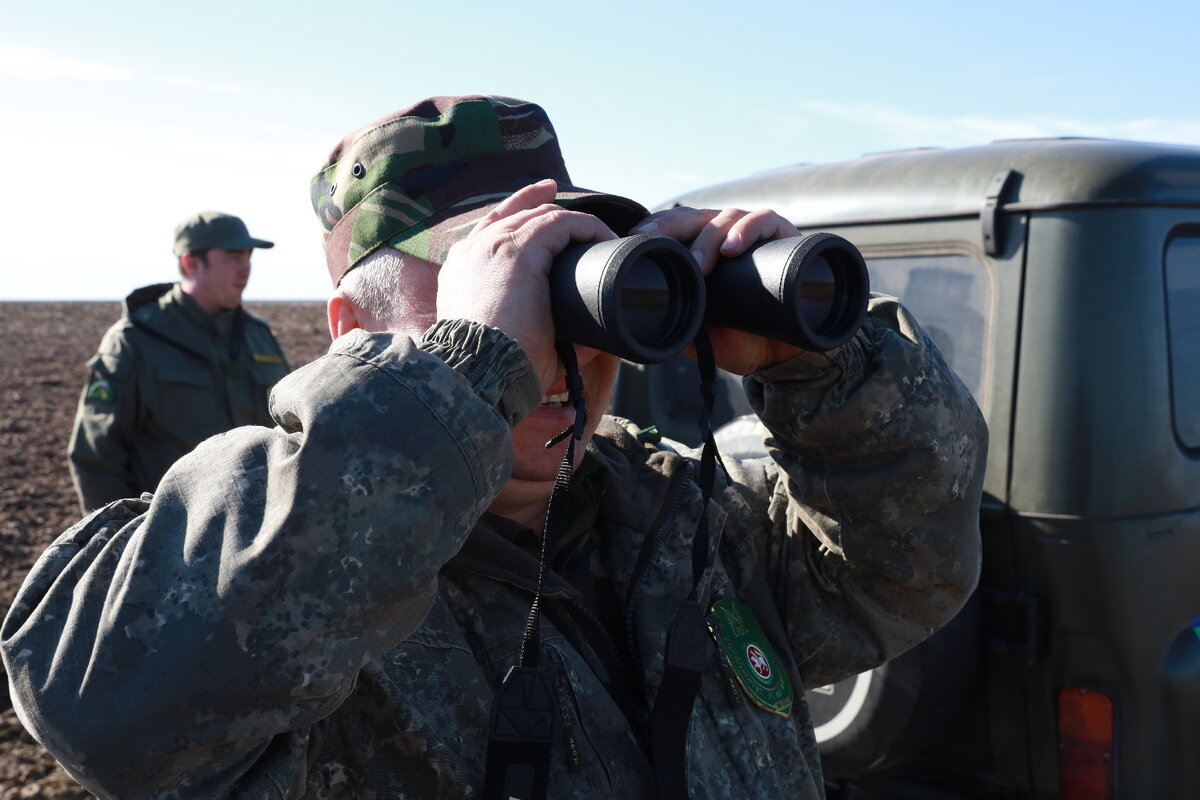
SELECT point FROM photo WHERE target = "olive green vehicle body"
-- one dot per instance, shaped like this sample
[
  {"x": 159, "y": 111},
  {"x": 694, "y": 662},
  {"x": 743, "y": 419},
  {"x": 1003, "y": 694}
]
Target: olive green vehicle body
[{"x": 1091, "y": 513}]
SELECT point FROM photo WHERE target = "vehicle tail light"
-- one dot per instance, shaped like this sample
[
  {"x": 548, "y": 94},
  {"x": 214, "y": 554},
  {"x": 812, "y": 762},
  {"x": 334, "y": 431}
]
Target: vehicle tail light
[{"x": 1085, "y": 744}]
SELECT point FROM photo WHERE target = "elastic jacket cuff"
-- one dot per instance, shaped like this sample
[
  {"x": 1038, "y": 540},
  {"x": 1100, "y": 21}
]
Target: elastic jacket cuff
[{"x": 494, "y": 364}]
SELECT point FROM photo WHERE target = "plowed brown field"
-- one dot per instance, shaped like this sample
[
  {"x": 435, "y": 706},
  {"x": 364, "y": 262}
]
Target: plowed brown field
[{"x": 43, "y": 349}]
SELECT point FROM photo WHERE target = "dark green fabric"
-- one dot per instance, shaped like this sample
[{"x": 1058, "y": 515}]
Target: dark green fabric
[
  {"x": 208, "y": 229},
  {"x": 166, "y": 377}
]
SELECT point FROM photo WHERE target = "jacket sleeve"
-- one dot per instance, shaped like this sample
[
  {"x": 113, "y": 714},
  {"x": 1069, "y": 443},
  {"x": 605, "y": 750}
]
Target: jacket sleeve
[
  {"x": 871, "y": 494},
  {"x": 185, "y": 646},
  {"x": 99, "y": 453}
]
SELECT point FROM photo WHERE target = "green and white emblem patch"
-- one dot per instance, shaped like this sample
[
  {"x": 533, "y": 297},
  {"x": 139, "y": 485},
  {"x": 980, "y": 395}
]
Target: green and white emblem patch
[
  {"x": 100, "y": 390},
  {"x": 754, "y": 662}
]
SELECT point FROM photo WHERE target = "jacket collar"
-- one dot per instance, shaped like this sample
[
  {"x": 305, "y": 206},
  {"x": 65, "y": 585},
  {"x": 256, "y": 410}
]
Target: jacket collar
[
  {"x": 220, "y": 324},
  {"x": 170, "y": 313},
  {"x": 506, "y": 551},
  {"x": 489, "y": 551}
]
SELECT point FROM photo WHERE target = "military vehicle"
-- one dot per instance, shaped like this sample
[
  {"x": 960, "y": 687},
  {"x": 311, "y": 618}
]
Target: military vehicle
[{"x": 1061, "y": 278}]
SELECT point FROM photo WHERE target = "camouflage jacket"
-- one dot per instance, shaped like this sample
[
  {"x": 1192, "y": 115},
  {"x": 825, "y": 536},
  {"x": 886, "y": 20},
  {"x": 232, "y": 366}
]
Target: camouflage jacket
[
  {"x": 319, "y": 611},
  {"x": 166, "y": 377}
]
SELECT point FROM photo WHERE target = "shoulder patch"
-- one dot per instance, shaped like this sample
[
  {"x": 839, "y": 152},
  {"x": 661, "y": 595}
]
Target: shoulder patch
[{"x": 100, "y": 391}]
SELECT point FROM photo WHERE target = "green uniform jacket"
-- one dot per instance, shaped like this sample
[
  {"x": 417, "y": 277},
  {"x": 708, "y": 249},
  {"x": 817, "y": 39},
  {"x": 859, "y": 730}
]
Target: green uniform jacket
[
  {"x": 167, "y": 376},
  {"x": 322, "y": 610}
]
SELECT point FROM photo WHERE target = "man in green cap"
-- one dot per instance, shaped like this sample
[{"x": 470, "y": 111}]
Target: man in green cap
[
  {"x": 184, "y": 362},
  {"x": 340, "y": 607}
]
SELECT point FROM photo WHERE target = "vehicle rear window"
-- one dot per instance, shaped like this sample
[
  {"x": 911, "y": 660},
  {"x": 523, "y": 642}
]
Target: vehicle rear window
[
  {"x": 950, "y": 295},
  {"x": 1183, "y": 328}
]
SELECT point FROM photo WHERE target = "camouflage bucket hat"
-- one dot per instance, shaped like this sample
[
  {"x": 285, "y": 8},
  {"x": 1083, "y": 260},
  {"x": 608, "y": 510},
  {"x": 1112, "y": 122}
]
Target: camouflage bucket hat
[
  {"x": 419, "y": 179},
  {"x": 208, "y": 229}
]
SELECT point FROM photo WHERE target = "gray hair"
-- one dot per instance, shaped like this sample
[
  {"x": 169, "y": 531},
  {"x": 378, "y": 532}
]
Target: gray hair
[{"x": 374, "y": 287}]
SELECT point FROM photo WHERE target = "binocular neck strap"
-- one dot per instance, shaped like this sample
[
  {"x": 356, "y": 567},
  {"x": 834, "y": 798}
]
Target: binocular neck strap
[
  {"x": 687, "y": 639},
  {"x": 522, "y": 719},
  {"x": 709, "y": 457}
]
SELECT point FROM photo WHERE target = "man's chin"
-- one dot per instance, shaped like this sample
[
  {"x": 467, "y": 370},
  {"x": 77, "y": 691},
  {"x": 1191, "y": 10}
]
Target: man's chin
[
  {"x": 542, "y": 465},
  {"x": 532, "y": 460},
  {"x": 530, "y": 472}
]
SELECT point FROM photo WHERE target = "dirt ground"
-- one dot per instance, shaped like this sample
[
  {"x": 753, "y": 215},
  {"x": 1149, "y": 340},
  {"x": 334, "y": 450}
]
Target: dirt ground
[{"x": 42, "y": 371}]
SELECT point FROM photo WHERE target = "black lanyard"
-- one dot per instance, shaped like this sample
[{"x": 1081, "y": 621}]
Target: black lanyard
[{"x": 522, "y": 720}]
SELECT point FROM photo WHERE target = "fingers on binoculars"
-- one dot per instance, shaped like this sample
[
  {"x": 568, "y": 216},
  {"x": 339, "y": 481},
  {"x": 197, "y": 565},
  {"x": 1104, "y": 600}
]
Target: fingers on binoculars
[
  {"x": 524, "y": 199},
  {"x": 714, "y": 233},
  {"x": 681, "y": 224},
  {"x": 749, "y": 227},
  {"x": 731, "y": 231},
  {"x": 530, "y": 214}
]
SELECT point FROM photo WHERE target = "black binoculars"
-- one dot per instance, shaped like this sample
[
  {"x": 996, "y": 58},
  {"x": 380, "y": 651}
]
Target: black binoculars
[{"x": 644, "y": 299}]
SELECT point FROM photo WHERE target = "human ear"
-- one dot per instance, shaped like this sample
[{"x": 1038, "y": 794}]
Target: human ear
[
  {"x": 188, "y": 265},
  {"x": 343, "y": 316}
]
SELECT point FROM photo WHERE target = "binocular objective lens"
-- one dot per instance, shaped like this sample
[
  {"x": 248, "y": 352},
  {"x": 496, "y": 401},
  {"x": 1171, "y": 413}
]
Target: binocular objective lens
[
  {"x": 817, "y": 294},
  {"x": 646, "y": 301}
]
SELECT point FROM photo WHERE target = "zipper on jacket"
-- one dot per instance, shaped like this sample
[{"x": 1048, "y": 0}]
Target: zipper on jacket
[
  {"x": 566, "y": 707},
  {"x": 616, "y": 662}
]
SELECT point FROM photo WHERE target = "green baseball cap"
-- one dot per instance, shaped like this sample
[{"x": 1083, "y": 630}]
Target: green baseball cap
[
  {"x": 213, "y": 229},
  {"x": 419, "y": 179}
]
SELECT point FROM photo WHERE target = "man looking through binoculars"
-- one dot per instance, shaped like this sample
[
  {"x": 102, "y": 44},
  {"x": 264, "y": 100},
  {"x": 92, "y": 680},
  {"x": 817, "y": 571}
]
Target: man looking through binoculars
[
  {"x": 332, "y": 608},
  {"x": 513, "y": 246}
]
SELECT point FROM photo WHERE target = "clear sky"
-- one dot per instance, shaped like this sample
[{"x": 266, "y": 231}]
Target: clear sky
[{"x": 119, "y": 119}]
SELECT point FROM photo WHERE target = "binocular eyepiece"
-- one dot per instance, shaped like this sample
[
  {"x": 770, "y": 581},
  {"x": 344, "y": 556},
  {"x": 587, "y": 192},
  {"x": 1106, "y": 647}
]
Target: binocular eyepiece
[{"x": 644, "y": 299}]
